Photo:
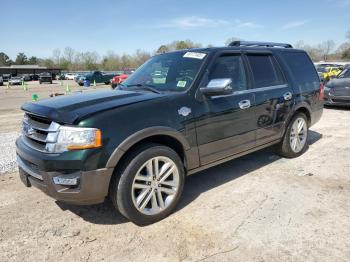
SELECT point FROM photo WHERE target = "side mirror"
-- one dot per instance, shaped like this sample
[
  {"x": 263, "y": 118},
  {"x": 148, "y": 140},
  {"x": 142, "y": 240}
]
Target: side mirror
[{"x": 218, "y": 87}]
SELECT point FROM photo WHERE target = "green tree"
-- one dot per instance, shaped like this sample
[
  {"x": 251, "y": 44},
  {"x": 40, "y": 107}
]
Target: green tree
[
  {"x": 162, "y": 49},
  {"x": 4, "y": 59},
  {"x": 48, "y": 63},
  {"x": 21, "y": 59},
  {"x": 33, "y": 60}
]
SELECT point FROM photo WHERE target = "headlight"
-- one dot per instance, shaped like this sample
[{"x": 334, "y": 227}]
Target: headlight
[{"x": 74, "y": 138}]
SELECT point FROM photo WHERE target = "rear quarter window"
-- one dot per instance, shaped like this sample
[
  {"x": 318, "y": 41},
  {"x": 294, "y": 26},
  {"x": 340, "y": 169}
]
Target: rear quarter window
[{"x": 303, "y": 70}]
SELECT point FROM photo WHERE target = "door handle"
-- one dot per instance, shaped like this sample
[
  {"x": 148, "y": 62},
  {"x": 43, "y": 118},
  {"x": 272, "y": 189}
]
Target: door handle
[
  {"x": 244, "y": 104},
  {"x": 287, "y": 96}
]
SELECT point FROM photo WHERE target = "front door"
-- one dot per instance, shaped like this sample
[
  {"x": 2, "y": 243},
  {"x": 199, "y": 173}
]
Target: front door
[{"x": 225, "y": 124}]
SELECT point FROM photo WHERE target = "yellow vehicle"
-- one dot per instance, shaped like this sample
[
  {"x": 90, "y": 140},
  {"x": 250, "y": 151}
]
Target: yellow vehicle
[{"x": 329, "y": 72}]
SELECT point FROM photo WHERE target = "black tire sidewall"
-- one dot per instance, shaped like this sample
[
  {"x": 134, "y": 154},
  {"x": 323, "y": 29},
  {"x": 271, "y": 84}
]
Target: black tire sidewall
[{"x": 124, "y": 191}]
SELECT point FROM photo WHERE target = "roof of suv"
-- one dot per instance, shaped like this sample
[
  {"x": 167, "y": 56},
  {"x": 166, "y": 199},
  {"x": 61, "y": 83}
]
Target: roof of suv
[{"x": 246, "y": 45}]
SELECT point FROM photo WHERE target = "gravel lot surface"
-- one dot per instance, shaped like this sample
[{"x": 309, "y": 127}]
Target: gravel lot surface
[{"x": 256, "y": 208}]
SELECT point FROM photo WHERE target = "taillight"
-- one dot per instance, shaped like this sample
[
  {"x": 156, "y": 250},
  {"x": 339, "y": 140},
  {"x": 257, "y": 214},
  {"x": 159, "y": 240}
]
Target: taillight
[{"x": 321, "y": 97}]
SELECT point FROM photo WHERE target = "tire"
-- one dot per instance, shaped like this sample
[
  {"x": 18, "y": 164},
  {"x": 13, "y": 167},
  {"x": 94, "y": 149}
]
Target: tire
[
  {"x": 135, "y": 198},
  {"x": 292, "y": 144},
  {"x": 40, "y": 82}
]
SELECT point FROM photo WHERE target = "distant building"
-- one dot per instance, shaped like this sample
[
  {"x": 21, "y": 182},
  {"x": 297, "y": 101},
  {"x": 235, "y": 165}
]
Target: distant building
[{"x": 27, "y": 69}]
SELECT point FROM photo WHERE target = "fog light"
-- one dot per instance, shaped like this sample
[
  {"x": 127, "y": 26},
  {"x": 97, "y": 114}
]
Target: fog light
[{"x": 67, "y": 180}]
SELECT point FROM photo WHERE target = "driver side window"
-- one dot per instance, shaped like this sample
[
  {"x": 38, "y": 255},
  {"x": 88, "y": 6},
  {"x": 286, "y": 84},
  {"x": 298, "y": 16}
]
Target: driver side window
[{"x": 230, "y": 66}]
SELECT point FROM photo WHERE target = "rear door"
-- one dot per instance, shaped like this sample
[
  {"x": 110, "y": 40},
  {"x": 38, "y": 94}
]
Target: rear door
[{"x": 273, "y": 96}]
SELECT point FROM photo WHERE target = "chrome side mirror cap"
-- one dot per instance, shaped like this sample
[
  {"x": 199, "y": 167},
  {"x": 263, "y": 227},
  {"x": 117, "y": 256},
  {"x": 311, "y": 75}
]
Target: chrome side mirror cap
[{"x": 218, "y": 87}]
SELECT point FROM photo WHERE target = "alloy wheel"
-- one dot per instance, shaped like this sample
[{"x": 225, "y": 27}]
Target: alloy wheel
[
  {"x": 298, "y": 135},
  {"x": 155, "y": 185}
]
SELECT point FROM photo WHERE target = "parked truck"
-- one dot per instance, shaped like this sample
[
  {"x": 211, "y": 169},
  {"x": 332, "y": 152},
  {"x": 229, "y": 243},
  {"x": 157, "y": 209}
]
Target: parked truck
[{"x": 97, "y": 77}]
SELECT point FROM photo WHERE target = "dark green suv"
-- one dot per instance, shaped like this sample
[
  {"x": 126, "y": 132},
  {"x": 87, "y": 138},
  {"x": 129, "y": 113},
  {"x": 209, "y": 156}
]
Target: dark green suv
[{"x": 137, "y": 143}]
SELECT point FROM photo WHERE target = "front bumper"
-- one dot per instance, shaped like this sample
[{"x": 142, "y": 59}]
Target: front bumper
[
  {"x": 337, "y": 100},
  {"x": 92, "y": 186}
]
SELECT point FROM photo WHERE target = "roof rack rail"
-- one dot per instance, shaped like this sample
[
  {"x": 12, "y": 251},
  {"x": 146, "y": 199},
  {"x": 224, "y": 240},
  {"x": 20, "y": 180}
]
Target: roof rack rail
[{"x": 265, "y": 44}]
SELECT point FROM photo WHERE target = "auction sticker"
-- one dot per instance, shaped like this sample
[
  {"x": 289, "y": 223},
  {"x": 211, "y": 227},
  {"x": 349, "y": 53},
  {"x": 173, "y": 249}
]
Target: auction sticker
[
  {"x": 194, "y": 55},
  {"x": 181, "y": 83}
]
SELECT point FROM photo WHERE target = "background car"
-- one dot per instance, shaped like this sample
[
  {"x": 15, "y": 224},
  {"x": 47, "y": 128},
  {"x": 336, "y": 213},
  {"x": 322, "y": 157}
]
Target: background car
[
  {"x": 15, "y": 80},
  {"x": 60, "y": 77},
  {"x": 97, "y": 77},
  {"x": 116, "y": 80},
  {"x": 1, "y": 81},
  {"x": 327, "y": 73},
  {"x": 45, "y": 77},
  {"x": 26, "y": 77},
  {"x": 337, "y": 91},
  {"x": 6, "y": 77},
  {"x": 70, "y": 76}
]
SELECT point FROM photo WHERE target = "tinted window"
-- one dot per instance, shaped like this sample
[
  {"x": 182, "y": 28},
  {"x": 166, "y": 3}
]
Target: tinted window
[
  {"x": 230, "y": 66},
  {"x": 167, "y": 72},
  {"x": 265, "y": 71},
  {"x": 303, "y": 70}
]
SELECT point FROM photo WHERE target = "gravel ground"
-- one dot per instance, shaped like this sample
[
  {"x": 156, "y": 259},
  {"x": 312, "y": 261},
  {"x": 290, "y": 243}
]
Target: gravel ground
[
  {"x": 259, "y": 207},
  {"x": 8, "y": 152}
]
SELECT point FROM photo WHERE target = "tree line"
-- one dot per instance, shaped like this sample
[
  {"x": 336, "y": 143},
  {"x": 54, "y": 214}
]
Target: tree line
[{"x": 72, "y": 60}]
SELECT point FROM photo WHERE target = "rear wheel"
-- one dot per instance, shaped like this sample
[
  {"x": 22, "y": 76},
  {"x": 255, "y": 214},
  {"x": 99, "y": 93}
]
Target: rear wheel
[
  {"x": 294, "y": 142},
  {"x": 149, "y": 185}
]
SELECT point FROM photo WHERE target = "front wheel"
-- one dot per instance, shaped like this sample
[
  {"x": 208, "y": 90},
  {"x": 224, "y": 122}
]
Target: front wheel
[
  {"x": 149, "y": 185},
  {"x": 294, "y": 142}
]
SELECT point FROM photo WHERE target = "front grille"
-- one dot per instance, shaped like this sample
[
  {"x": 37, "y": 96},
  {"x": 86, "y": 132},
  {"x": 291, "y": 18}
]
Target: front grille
[{"x": 36, "y": 131}]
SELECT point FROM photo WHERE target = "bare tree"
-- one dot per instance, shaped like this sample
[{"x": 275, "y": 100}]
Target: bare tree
[
  {"x": 68, "y": 54},
  {"x": 325, "y": 48},
  {"x": 56, "y": 54},
  {"x": 348, "y": 35}
]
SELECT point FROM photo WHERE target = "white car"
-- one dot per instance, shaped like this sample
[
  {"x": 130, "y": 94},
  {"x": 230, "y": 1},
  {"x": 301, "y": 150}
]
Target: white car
[
  {"x": 70, "y": 76},
  {"x": 15, "y": 80}
]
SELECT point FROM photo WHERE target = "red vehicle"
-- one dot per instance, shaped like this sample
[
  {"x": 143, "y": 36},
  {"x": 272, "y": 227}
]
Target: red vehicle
[{"x": 116, "y": 80}]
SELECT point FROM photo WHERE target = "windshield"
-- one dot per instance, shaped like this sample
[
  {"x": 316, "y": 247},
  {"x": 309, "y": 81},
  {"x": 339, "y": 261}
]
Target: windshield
[
  {"x": 167, "y": 72},
  {"x": 345, "y": 73}
]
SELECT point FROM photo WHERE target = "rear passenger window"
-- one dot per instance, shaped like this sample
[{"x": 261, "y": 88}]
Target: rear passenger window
[
  {"x": 303, "y": 70},
  {"x": 265, "y": 70}
]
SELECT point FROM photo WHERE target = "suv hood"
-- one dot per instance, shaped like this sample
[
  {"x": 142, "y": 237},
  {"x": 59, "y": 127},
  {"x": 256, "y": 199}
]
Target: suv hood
[{"x": 70, "y": 109}]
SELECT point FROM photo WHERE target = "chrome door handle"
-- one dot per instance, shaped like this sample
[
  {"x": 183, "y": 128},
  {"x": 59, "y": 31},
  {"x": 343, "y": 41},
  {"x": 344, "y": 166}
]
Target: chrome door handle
[
  {"x": 244, "y": 104},
  {"x": 287, "y": 96}
]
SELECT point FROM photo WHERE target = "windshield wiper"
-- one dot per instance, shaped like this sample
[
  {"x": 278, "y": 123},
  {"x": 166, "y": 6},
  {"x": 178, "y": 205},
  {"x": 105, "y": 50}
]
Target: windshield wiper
[{"x": 144, "y": 87}]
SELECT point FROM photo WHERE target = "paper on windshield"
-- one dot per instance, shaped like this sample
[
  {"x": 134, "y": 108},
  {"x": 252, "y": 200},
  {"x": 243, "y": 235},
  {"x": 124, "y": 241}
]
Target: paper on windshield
[{"x": 196, "y": 55}]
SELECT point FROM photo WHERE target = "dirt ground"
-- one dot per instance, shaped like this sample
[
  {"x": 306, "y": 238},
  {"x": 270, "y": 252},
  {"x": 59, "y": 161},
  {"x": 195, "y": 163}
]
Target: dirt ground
[{"x": 256, "y": 208}]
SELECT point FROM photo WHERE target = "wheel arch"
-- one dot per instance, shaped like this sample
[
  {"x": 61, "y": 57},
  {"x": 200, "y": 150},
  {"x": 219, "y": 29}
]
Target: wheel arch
[
  {"x": 305, "y": 109},
  {"x": 160, "y": 135}
]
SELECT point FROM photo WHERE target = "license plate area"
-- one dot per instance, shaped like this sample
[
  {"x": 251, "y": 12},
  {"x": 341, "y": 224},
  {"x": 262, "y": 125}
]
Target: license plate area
[{"x": 24, "y": 177}]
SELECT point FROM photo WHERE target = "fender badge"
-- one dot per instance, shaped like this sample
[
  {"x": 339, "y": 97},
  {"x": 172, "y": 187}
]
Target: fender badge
[{"x": 184, "y": 111}]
